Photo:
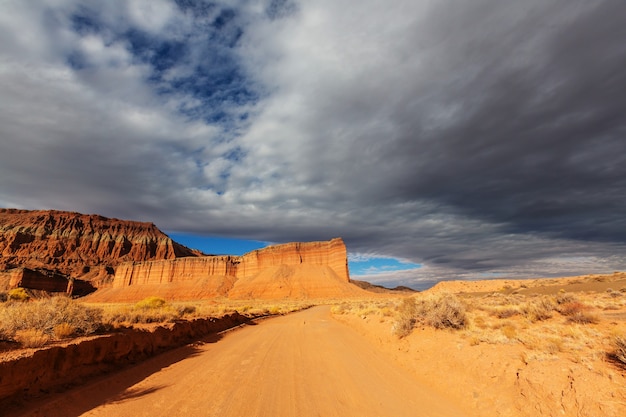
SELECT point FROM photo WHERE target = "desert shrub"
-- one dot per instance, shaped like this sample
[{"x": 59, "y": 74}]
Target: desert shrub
[
  {"x": 273, "y": 310},
  {"x": 45, "y": 315},
  {"x": 564, "y": 298},
  {"x": 583, "y": 317},
  {"x": 614, "y": 294},
  {"x": 18, "y": 294},
  {"x": 63, "y": 331},
  {"x": 340, "y": 308},
  {"x": 406, "y": 317},
  {"x": 577, "y": 312},
  {"x": 31, "y": 338},
  {"x": 142, "y": 315},
  {"x": 538, "y": 309},
  {"x": 571, "y": 308},
  {"x": 185, "y": 310},
  {"x": 619, "y": 352},
  {"x": 439, "y": 311},
  {"x": 3, "y": 297},
  {"x": 446, "y": 311},
  {"x": 505, "y": 312},
  {"x": 151, "y": 303}
]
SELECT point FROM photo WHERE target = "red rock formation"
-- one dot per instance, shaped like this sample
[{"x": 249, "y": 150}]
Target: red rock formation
[
  {"x": 291, "y": 270},
  {"x": 73, "y": 243},
  {"x": 147, "y": 262}
]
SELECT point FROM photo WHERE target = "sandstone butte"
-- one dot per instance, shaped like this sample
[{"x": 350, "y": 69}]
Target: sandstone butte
[{"x": 127, "y": 261}]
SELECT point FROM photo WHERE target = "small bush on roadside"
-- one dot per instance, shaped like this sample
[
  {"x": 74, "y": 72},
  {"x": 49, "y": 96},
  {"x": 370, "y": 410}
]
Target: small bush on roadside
[
  {"x": 18, "y": 294},
  {"x": 407, "y": 316},
  {"x": 340, "y": 308},
  {"x": 142, "y": 315},
  {"x": 31, "y": 338},
  {"x": 619, "y": 351},
  {"x": 63, "y": 331},
  {"x": 186, "y": 310},
  {"x": 151, "y": 303},
  {"x": 445, "y": 311},
  {"x": 439, "y": 311},
  {"x": 274, "y": 310},
  {"x": 45, "y": 315}
]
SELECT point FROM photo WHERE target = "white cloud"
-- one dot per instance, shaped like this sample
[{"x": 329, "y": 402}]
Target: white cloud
[
  {"x": 151, "y": 15},
  {"x": 394, "y": 124}
]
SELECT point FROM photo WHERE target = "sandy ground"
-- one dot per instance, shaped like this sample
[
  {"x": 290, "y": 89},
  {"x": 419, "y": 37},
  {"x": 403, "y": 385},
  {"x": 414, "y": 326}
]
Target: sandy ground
[
  {"x": 511, "y": 366},
  {"x": 303, "y": 364}
]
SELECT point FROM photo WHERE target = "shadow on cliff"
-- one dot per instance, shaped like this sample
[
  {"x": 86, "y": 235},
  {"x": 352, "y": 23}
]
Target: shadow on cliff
[{"x": 113, "y": 387}]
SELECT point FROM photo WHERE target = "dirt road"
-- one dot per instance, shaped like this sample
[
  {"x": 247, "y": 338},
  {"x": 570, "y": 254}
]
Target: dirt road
[{"x": 303, "y": 364}]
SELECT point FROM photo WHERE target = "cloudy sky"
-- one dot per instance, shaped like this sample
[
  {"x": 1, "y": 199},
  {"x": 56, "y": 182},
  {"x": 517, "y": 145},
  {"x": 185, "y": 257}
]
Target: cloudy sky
[{"x": 454, "y": 138}]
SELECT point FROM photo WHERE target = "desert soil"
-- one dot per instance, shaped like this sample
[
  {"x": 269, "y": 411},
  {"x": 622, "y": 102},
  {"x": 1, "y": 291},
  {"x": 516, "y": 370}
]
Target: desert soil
[{"x": 303, "y": 364}]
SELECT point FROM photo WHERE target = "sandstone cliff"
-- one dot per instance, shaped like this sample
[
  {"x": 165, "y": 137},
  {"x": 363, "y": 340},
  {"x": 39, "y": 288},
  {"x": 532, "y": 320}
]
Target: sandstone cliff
[
  {"x": 73, "y": 244},
  {"x": 291, "y": 270},
  {"x": 126, "y": 260}
]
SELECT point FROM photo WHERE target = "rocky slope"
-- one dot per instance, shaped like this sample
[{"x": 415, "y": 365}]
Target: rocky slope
[{"x": 74, "y": 244}]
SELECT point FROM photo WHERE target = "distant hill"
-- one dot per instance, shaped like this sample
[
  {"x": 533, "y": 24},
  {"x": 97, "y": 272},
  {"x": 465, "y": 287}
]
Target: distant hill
[{"x": 380, "y": 289}]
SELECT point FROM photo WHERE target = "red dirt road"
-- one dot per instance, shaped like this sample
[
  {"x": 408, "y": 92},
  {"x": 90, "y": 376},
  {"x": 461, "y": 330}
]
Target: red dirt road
[{"x": 303, "y": 364}]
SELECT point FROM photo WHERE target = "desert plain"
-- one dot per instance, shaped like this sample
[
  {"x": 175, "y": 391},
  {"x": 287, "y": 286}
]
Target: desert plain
[{"x": 285, "y": 332}]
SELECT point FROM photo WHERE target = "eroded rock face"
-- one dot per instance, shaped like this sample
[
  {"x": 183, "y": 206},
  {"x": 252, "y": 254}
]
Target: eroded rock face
[
  {"x": 291, "y": 270},
  {"x": 73, "y": 243},
  {"x": 129, "y": 260}
]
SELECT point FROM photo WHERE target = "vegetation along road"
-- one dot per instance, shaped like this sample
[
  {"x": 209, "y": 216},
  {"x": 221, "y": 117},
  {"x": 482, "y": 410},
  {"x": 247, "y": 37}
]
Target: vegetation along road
[{"x": 302, "y": 364}]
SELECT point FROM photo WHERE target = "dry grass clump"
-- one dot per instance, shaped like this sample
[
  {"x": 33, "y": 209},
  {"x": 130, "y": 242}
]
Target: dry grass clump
[
  {"x": 505, "y": 312},
  {"x": 439, "y": 311},
  {"x": 149, "y": 310},
  {"x": 57, "y": 317},
  {"x": 577, "y": 312},
  {"x": 340, "y": 308},
  {"x": 619, "y": 352},
  {"x": 31, "y": 338},
  {"x": 365, "y": 308},
  {"x": 151, "y": 303},
  {"x": 407, "y": 317},
  {"x": 538, "y": 309},
  {"x": 18, "y": 294}
]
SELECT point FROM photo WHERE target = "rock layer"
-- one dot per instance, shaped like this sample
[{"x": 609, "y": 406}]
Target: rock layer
[
  {"x": 126, "y": 260},
  {"x": 291, "y": 270},
  {"x": 72, "y": 243}
]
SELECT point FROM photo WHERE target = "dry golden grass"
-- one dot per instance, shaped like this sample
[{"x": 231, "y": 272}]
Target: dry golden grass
[
  {"x": 64, "y": 331},
  {"x": 26, "y": 322},
  {"x": 619, "y": 351},
  {"x": 36, "y": 322},
  {"x": 562, "y": 324},
  {"x": 31, "y": 338}
]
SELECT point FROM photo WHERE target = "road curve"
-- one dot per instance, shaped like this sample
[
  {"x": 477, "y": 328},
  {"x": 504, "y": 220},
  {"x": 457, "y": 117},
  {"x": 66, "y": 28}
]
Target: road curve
[{"x": 302, "y": 364}]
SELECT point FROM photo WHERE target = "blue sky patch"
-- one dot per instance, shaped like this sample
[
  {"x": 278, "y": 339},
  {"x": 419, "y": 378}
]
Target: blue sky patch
[
  {"x": 359, "y": 265},
  {"x": 214, "y": 245},
  {"x": 365, "y": 265}
]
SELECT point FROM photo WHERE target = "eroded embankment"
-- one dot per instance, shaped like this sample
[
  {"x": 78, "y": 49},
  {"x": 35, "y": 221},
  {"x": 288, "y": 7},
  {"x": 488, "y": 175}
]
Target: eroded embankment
[{"x": 57, "y": 366}]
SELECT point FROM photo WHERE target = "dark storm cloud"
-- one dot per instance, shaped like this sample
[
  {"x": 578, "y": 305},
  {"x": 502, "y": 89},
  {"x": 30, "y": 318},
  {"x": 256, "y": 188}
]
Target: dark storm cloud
[
  {"x": 537, "y": 138},
  {"x": 477, "y": 138}
]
